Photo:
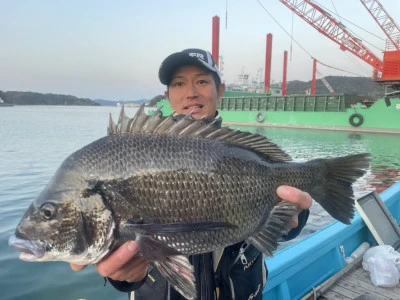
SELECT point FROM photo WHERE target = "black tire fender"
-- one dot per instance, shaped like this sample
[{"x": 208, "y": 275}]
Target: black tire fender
[
  {"x": 260, "y": 117},
  {"x": 356, "y": 119}
]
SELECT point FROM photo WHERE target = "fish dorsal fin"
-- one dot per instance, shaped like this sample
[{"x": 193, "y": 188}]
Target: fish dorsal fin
[{"x": 188, "y": 126}]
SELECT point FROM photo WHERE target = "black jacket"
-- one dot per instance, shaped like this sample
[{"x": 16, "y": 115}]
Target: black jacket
[{"x": 239, "y": 273}]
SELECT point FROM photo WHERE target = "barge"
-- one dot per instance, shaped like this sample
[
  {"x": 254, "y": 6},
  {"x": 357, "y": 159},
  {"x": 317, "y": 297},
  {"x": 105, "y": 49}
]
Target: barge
[{"x": 329, "y": 112}]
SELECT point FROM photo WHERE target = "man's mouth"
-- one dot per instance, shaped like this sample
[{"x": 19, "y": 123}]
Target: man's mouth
[{"x": 194, "y": 108}]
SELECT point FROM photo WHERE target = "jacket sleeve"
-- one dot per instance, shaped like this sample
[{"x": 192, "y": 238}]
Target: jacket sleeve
[
  {"x": 125, "y": 286},
  {"x": 153, "y": 286},
  {"x": 302, "y": 219}
]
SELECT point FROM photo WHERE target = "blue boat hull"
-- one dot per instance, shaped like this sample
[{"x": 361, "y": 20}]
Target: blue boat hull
[{"x": 295, "y": 270}]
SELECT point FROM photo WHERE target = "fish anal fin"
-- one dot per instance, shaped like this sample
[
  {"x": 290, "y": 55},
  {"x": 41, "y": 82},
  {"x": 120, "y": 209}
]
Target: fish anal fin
[
  {"x": 174, "y": 266},
  {"x": 278, "y": 224},
  {"x": 178, "y": 271}
]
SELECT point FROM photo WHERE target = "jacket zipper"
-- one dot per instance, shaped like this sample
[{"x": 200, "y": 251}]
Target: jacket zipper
[
  {"x": 241, "y": 255},
  {"x": 243, "y": 259}
]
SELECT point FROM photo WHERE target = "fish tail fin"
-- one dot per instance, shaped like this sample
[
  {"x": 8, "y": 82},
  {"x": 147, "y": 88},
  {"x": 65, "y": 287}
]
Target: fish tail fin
[
  {"x": 173, "y": 265},
  {"x": 334, "y": 187}
]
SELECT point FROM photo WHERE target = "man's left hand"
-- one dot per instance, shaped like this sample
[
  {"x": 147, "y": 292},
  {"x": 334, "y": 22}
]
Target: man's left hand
[{"x": 302, "y": 199}]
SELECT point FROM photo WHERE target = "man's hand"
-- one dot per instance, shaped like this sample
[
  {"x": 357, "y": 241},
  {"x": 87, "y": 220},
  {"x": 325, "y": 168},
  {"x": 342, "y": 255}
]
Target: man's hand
[
  {"x": 302, "y": 199},
  {"x": 122, "y": 264}
]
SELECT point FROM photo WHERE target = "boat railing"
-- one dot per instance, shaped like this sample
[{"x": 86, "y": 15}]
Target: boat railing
[{"x": 325, "y": 103}]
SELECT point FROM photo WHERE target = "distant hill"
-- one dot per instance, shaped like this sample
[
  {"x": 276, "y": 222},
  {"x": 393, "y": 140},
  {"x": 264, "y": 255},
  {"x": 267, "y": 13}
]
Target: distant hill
[
  {"x": 31, "y": 98},
  {"x": 103, "y": 102},
  {"x": 361, "y": 86}
]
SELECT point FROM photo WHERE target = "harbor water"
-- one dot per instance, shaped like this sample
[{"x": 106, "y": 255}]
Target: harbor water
[{"x": 36, "y": 139}]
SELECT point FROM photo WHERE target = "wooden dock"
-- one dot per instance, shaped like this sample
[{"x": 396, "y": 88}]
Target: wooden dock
[{"x": 356, "y": 284}]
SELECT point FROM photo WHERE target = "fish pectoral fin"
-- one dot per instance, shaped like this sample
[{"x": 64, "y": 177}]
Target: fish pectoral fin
[
  {"x": 278, "y": 224},
  {"x": 173, "y": 228},
  {"x": 174, "y": 266}
]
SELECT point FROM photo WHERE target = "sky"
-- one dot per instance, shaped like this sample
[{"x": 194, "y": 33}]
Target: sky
[{"x": 113, "y": 49}]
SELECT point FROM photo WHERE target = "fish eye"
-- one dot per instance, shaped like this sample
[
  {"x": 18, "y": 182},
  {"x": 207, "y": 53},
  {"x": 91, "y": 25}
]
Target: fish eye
[{"x": 48, "y": 211}]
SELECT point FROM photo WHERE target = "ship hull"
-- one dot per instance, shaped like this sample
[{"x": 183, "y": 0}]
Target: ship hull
[{"x": 328, "y": 112}]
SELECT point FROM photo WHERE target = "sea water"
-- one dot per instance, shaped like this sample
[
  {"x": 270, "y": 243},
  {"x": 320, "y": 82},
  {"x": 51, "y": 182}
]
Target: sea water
[{"x": 34, "y": 140}]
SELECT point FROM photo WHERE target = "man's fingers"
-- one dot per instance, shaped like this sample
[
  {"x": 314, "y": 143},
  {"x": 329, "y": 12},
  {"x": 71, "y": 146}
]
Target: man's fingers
[
  {"x": 77, "y": 267},
  {"x": 302, "y": 199},
  {"x": 295, "y": 219},
  {"x": 133, "y": 271},
  {"x": 117, "y": 259}
]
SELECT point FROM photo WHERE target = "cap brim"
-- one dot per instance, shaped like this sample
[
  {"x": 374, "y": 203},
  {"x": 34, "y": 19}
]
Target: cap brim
[{"x": 173, "y": 62}]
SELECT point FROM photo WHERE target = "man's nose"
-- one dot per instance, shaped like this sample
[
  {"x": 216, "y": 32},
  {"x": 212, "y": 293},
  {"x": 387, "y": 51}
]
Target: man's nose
[{"x": 192, "y": 90}]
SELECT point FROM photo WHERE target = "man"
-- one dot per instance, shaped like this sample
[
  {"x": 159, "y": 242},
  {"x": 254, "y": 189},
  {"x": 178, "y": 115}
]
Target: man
[{"x": 194, "y": 86}]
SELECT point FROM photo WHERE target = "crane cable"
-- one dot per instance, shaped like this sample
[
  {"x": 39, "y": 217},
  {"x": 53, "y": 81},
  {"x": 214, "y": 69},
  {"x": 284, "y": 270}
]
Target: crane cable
[
  {"x": 348, "y": 55},
  {"x": 291, "y": 40},
  {"x": 359, "y": 27},
  {"x": 302, "y": 46}
]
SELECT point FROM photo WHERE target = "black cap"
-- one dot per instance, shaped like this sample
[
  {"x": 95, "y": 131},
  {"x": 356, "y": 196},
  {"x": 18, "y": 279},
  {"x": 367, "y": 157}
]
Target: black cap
[{"x": 188, "y": 57}]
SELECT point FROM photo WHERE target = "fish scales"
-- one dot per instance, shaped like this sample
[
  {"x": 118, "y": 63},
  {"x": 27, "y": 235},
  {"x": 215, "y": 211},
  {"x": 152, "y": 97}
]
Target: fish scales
[
  {"x": 176, "y": 187},
  {"x": 201, "y": 183}
]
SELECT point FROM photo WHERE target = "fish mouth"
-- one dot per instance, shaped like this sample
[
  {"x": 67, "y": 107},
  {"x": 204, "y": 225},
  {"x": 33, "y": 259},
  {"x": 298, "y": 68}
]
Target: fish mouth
[{"x": 30, "y": 250}]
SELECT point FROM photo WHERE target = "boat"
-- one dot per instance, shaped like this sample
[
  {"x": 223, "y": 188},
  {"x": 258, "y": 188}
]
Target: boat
[
  {"x": 328, "y": 112},
  {"x": 2, "y": 103},
  {"x": 299, "y": 269}
]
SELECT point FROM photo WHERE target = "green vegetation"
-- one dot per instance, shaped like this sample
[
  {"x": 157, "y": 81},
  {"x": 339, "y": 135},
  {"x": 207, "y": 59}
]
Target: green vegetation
[
  {"x": 155, "y": 99},
  {"x": 31, "y": 98}
]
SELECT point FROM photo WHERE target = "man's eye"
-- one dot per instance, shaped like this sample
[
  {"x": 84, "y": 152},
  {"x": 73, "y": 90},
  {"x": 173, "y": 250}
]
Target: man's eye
[{"x": 178, "y": 83}]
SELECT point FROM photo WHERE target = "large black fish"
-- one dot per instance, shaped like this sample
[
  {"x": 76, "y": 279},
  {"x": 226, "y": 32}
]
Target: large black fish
[{"x": 177, "y": 188}]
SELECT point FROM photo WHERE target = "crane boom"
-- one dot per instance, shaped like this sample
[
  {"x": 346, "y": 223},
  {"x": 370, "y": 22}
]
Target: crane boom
[
  {"x": 326, "y": 83},
  {"x": 385, "y": 21},
  {"x": 333, "y": 29}
]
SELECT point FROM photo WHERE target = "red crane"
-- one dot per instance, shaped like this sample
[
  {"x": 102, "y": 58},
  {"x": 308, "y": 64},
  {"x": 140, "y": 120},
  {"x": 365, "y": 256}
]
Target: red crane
[
  {"x": 391, "y": 56},
  {"x": 385, "y": 21},
  {"x": 333, "y": 29},
  {"x": 337, "y": 32}
]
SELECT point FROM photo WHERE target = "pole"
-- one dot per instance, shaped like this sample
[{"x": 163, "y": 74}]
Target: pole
[
  {"x": 285, "y": 57},
  {"x": 314, "y": 77},
  {"x": 268, "y": 58},
  {"x": 215, "y": 39}
]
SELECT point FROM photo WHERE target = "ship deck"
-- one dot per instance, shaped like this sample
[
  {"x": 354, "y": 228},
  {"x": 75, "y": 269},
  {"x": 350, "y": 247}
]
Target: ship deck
[
  {"x": 331, "y": 128},
  {"x": 356, "y": 284}
]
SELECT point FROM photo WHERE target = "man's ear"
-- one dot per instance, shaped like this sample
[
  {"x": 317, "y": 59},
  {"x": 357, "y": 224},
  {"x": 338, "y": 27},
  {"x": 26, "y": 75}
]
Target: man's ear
[
  {"x": 221, "y": 92},
  {"x": 166, "y": 94}
]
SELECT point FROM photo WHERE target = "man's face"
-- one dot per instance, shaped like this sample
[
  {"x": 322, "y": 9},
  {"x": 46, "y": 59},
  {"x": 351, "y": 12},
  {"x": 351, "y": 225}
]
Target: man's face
[{"x": 193, "y": 90}]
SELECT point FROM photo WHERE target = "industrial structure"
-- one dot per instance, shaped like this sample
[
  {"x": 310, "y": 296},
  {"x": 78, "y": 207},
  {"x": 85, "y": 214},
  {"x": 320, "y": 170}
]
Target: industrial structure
[{"x": 386, "y": 71}]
